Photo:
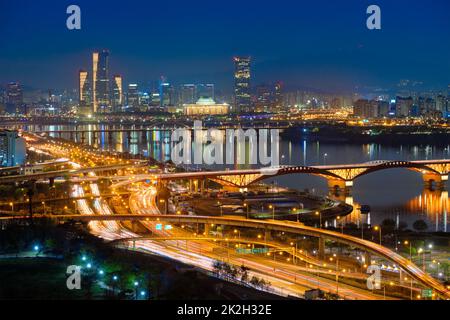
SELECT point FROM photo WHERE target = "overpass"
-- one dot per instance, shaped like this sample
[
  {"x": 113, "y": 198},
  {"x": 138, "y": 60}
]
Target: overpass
[
  {"x": 340, "y": 177},
  {"x": 51, "y": 175},
  {"x": 280, "y": 226}
]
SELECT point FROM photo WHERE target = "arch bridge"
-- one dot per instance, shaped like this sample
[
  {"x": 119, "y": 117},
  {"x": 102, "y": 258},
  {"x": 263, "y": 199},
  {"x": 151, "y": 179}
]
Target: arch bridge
[{"x": 339, "y": 177}]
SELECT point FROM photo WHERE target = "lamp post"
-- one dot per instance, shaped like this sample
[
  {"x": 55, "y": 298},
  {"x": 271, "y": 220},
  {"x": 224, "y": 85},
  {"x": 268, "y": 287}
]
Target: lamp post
[
  {"x": 341, "y": 224},
  {"x": 378, "y": 228},
  {"x": 325, "y": 155},
  {"x": 12, "y": 206},
  {"x": 319, "y": 213},
  {"x": 220, "y": 205},
  {"x": 294, "y": 210},
  {"x": 45, "y": 209},
  {"x": 406, "y": 242},
  {"x": 246, "y": 208},
  {"x": 273, "y": 211}
]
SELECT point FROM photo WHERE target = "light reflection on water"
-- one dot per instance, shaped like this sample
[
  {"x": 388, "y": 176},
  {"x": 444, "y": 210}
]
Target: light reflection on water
[{"x": 396, "y": 194}]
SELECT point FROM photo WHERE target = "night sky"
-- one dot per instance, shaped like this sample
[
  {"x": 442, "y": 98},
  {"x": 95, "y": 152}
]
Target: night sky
[{"x": 320, "y": 44}]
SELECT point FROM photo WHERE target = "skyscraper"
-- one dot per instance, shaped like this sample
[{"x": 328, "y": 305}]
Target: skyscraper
[
  {"x": 133, "y": 95},
  {"x": 84, "y": 92},
  {"x": 167, "y": 94},
  {"x": 100, "y": 81},
  {"x": 188, "y": 94},
  {"x": 117, "y": 99},
  {"x": 242, "y": 100},
  {"x": 205, "y": 91},
  {"x": 12, "y": 149},
  {"x": 14, "y": 97}
]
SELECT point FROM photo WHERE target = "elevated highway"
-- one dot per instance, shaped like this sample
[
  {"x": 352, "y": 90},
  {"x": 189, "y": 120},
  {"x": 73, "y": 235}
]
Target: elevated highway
[{"x": 281, "y": 226}]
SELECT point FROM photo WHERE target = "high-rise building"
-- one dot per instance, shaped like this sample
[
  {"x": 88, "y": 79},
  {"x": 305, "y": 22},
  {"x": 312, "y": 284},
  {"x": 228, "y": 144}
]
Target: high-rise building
[
  {"x": 12, "y": 149},
  {"x": 365, "y": 109},
  {"x": 117, "y": 99},
  {"x": 14, "y": 97},
  {"x": 188, "y": 94},
  {"x": 84, "y": 92},
  {"x": 263, "y": 97},
  {"x": 242, "y": 95},
  {"x": 100, "y": 81},
  {"x": 403, "y": 106},
  {"x": 133, "y": 96},
  {"x": 166, "y": 94},
  {"x": 278, "y": 96},
  {"x": 205, "y": 91}
]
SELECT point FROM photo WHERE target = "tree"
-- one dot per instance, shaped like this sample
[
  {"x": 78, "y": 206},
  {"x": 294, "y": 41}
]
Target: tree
[{"x": 420, "y": 225}]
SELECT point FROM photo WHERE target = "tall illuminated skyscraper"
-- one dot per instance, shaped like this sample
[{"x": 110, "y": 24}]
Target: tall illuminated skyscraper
[
  {"x": 242, "y": 97},
  {"x": 133, "y": 95},
  {"x": 117, "y": 100},
  {"x": 100, "y": 81},
  {"x": 84, "y": 91}
]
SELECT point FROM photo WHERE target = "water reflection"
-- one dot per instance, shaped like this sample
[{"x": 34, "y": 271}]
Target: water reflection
[{"x": 396, "y": 194}]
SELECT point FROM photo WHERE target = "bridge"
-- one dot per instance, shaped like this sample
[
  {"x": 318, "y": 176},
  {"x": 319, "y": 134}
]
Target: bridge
[
  {"x": 339, "y": 177},
  {"x": 279, "y": 226}
]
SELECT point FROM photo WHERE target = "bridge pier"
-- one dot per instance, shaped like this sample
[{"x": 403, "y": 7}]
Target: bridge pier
[
  {"x": 340, "y": 187},
  {"x": 368, "y": 258},
  {"x": 207, "y": 229},
  {"x": 321, "y": 248},
  {"x": 435, "y": 181},
  {"x": 267, "y": 235}
]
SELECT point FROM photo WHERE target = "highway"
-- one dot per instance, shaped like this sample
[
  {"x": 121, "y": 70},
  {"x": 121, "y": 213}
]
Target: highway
[{"x": 285, "y": 226}]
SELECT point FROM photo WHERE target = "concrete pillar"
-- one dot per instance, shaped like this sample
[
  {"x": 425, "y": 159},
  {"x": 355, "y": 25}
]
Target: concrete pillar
[
  {"x": 434, "y": 180},
  {"x": 337, "y": 186},
  {"x": 367, "y": 258},
  {"x": 267, "y": 235},
  {"x": 196, "y": 186},
  {"x": 202, "y": 186},
  {"x": 51, "y": 182},
  {"x": 207, "y": 229},
  {"x": 321, "y": 248}
]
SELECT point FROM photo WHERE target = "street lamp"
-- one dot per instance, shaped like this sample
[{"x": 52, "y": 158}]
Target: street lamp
[
  {"x": 12, "y": 206},
  {"x": 406, "y": 242},
  {"x": 378, "y": 228},
  {"x": 319, "y": 213},
  {"x": 273, "y": 211},
  {"x": 221, "y": 210},
  {"x": 294, "y": 210},
  {"x": 45, "y": 210},
  {"x": 246, "y": 207}
]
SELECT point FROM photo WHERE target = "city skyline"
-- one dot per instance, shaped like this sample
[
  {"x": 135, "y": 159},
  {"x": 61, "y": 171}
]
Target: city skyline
[{"x": 307, "y": 45}]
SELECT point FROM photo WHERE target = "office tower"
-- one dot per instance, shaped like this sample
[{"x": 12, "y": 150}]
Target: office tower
[
  {"x": 12, "y": 149},
  {"x": 242, "y": 97},
  {"x": 166, "y": 94},
  {"x": 100, "y": 81},
  {"x": 205, "y": 91},
  {"x": 84, "y": 91},
  {"x": 117, "y": 99},
  {"x": 14, "y": 97},
  {"x": 188, "y": 94},
  {"x": 133, "y": 96}
]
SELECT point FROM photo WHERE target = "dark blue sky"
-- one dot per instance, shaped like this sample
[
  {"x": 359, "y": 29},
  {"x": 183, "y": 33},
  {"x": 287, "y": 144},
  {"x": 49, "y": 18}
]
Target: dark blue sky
[{"x": 321, "y": 43}]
